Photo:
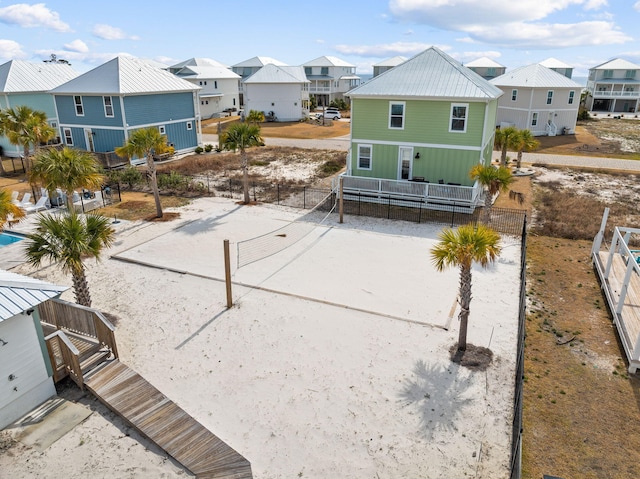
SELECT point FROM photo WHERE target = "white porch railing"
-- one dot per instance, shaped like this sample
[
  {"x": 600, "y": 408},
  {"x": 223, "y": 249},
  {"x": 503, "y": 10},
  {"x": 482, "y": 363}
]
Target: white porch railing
[
  {"x": 427, "y": 195},
  {"x": 552, "y": 129},
  {"x": 319, "y": 89},
  {"x": 611, "y": 94}
]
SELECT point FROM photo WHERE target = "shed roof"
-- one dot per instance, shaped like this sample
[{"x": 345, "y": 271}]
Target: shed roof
[
  {"x": 20, "y": 293},
  {"x": 430, "y": 74},
  {"x": 278, "y": 74},
  {"x": 535, "y": 76},
  {"x": 484, "y": 62},
  {"x": 617, "y": 64},
  {"x": 17, "y": 76},
  {"x": 327, "y": 61},
  {"x": 125, "y": 76},
  {"x": 259, "y": 62}
]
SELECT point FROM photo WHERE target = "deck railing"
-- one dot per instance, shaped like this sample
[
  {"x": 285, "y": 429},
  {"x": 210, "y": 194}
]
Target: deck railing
[
  {"x": 79, "y": 319},
  {"x": 69, "y": 355}
]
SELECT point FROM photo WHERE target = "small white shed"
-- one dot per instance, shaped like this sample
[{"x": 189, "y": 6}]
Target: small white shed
[{"x": 25, "y": 370}]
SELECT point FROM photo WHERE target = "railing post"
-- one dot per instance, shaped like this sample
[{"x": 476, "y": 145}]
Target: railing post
[
  {"x": 278, "y": 189},
  {"x": 304, "y": 197},
  {"x": 389, "y": 208}
]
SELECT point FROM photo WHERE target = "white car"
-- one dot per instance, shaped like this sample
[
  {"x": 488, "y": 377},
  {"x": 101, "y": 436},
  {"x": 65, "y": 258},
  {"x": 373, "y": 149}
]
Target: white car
[{"x": 330, "y": 114}]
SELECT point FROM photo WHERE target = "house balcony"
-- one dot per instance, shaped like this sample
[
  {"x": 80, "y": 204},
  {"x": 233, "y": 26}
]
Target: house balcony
[
  {"x": 617, "y": 94},
  {"x": 416, "y": 193},
  {"x": 320, "y": 89}
]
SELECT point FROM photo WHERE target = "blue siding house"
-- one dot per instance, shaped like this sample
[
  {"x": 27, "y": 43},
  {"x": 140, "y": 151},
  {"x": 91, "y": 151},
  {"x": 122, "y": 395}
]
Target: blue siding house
[
  {"x": 28, "y": 84},
  {"x": 99, "y": 109}
]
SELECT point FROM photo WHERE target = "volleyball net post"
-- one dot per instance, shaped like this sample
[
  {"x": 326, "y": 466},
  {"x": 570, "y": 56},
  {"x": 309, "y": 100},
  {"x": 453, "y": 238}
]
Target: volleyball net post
[{"x": 227, "y": 273}]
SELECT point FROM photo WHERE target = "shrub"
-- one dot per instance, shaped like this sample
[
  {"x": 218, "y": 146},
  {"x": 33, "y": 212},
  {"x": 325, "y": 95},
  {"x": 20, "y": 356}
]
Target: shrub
[
  {"x": 199, "y": 150},
  {"x": 131, "y": 176},
  {"x": 330, "y": 167},
  {"x": 340, "y": 104},
  {"x": 583, "y": 114},
  {"x": 208, "y": 147},
  {"x": 171, "y": 181}
]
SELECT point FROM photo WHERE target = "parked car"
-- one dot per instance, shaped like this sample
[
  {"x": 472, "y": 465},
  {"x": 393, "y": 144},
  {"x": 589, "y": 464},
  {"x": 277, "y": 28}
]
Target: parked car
[{"x": 330, "y": 114}]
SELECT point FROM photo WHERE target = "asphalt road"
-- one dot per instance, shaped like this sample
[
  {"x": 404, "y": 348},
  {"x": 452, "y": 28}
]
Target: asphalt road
[{"x": 342, "y": 143}]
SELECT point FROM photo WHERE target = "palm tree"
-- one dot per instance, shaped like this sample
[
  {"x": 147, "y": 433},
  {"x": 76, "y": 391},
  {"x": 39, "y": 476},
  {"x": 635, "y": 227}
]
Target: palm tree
[
  {"x": 461, "y": 248},
  {"x": 25, "y": 127},
  {"x": 9, "y": 211},
  {"x": 493, "y": 180},
  {"x": 240, "y": 137},
  {"x": 255, "y": 116},
  {"x": 524, "y": 141},
  {"x": 67, "y": 239},
  {"x": 67, "y": 169},
  {"x": 145, "y": 143},
  {"x": 504, "y": 139}
]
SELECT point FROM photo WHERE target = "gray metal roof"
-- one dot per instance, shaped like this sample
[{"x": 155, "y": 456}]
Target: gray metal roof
[
  {"x": 206, "y": 73},
  {"x": 17, "y": 76},
  {"x": 327, "y": 61},
  {"x": 484, "y": 62},
  {"x": 391, "y": 62},
  {"x": 430, "y": 74},
  {"x": 554, "y": 63},
  {"x": 198, "y": 62},
  {"x": 125, "y": 76},
  {"x": 617, "y": 64},
  {"x": 259, "y": 62},
  {"x": 20, "y": 293},
  {"x": 535, "y": 76},
  {"x": 278, "y": 74}
]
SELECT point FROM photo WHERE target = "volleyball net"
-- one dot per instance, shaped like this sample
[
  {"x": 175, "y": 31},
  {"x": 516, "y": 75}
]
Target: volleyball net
[{"x": 260, "y": 247}]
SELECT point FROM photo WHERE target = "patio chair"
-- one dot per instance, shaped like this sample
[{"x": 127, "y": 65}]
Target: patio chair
[
  {"x": 26, "y": 200},
  {"x": 40, "y": 205},
  {"x": 14, "y": 197}
]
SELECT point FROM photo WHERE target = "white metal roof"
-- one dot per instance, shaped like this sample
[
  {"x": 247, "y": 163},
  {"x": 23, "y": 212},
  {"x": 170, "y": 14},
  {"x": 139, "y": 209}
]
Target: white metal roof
[
  {"x": 430, "y": 74},
  {"x": 554, "y": 63},
  {"x": 20, "y": 293},
  {"x": 391, "y": 62},
  {"x": 617, "y": 64},
  {"x": 484, "y": 62},
  {"x": 278, "y": 74},
  {"x": 327, "y": 61},
  {"x": 259, "y": 62},
  {"x": 198, "y": 62},
  {"x": 125, "y": 76},
  {"x": 206, "y": 73},
  {"x": 17, "y": 76},
  {"x": 535, "y": 76}
]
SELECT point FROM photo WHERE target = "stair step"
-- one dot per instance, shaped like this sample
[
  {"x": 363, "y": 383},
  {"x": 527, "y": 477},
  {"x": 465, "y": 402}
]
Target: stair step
[{"x": 94, "y": 360}]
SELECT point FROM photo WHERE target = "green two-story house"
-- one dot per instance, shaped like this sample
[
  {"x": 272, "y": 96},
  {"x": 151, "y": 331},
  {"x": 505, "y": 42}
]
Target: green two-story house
[{"x": 422, "y": 124}]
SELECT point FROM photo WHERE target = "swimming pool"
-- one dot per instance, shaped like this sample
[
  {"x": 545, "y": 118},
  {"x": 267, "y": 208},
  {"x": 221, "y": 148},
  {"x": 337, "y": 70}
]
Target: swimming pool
[{"x": 8, "y": 238}]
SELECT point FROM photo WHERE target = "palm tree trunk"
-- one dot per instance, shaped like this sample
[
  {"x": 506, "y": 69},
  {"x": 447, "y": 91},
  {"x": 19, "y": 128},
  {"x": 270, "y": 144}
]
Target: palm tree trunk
[
  {"x": 465, "y": 301},
  {"x": 3, "y": 172},
  {"x": 81, "y": 287},
  {"x": 519, "y": 162},
  {"x": 503, "y": 156},
  {"x": 151, "y": 166},
  {"x": 245, "y": 177},
  {"x": 488, "y": 203}
]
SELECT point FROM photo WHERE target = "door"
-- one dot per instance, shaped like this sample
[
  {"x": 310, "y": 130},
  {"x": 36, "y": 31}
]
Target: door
[
  {"x": 88, "y": 138},
  {"x": 405, "y": 162}
]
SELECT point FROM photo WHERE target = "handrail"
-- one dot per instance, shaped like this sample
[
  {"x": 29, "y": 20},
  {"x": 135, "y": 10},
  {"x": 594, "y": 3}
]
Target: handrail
[
  {"x": 70, "y": 356},
  {"x": 106, "y": 332}
]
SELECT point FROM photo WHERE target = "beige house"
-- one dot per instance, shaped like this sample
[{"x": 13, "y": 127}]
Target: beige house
[
  {"x": 614, "y": 87},
  {"x": 330, "y": 78},
  {"x": 486, "y": 68},
  {"x": 387, "y": 64},
  {"x": 538, "y": 99}
]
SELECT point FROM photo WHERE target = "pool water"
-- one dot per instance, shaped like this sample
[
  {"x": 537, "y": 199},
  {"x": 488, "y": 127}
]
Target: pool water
[{"x": 8, "y": 238}]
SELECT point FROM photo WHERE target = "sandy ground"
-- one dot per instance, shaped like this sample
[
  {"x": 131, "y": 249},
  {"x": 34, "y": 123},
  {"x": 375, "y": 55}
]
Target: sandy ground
[{"x": 333, "y": 361}]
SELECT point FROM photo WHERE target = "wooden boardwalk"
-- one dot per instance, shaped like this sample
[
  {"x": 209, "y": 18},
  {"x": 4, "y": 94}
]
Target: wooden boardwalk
[{"x": 155, "y": 416}]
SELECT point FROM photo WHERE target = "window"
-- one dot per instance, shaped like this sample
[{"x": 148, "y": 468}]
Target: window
[
  {"x": 491, "y": 72},
  {"x": 364, "y": 157},
  {"x": 324, "y": 70},
  {"x": 162, "y": 130},
  {"x": 607, "y": 74},
  {"x": 54, "y": 124},
  {"x": 396, "y": 115},
  {"x": 234, "y": 102},
  {"x": 189, "y": 125},
  {"x": 77, "y": 100},
  {"x": 215, "y": 84},
  {"x": 68, "y": 138},
  {"x": 203, "y": 82},
  {"x": 307, "y": 70},
  {"x": 514, "y": 95},
  {"x": 534, "y": 118},
  {"x": 458, "y": 117},
  {"x": 630, "y": 74},
  {"x": 571, "y": 95},
  {"x": 108, "y": 106},
  {"x": 549, "y": 97}
]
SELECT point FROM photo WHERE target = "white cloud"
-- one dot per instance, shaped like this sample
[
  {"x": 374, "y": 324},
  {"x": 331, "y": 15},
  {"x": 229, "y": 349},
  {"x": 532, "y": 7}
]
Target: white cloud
[
  {"x": 11, "y": 50},
  {"x": 595, "y": 4},
  {"x": 408, "y": 32},
  {"x": 107, "y": 32},
  {"x": 637, "y": 6},
  {"x": 30, "y": 16},
  {"x": 386, "y": 50},
  {"x": 77, "y": 46},
  {"x": 558, "y": 35}
]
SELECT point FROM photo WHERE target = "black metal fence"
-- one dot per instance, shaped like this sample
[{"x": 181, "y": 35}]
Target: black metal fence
[
  {"x": 516, "y": 432},
  {"x": 13, "y": 166}
]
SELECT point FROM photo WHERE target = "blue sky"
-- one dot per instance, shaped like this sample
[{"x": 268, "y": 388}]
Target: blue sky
[{"x": 582, "y": 33}]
